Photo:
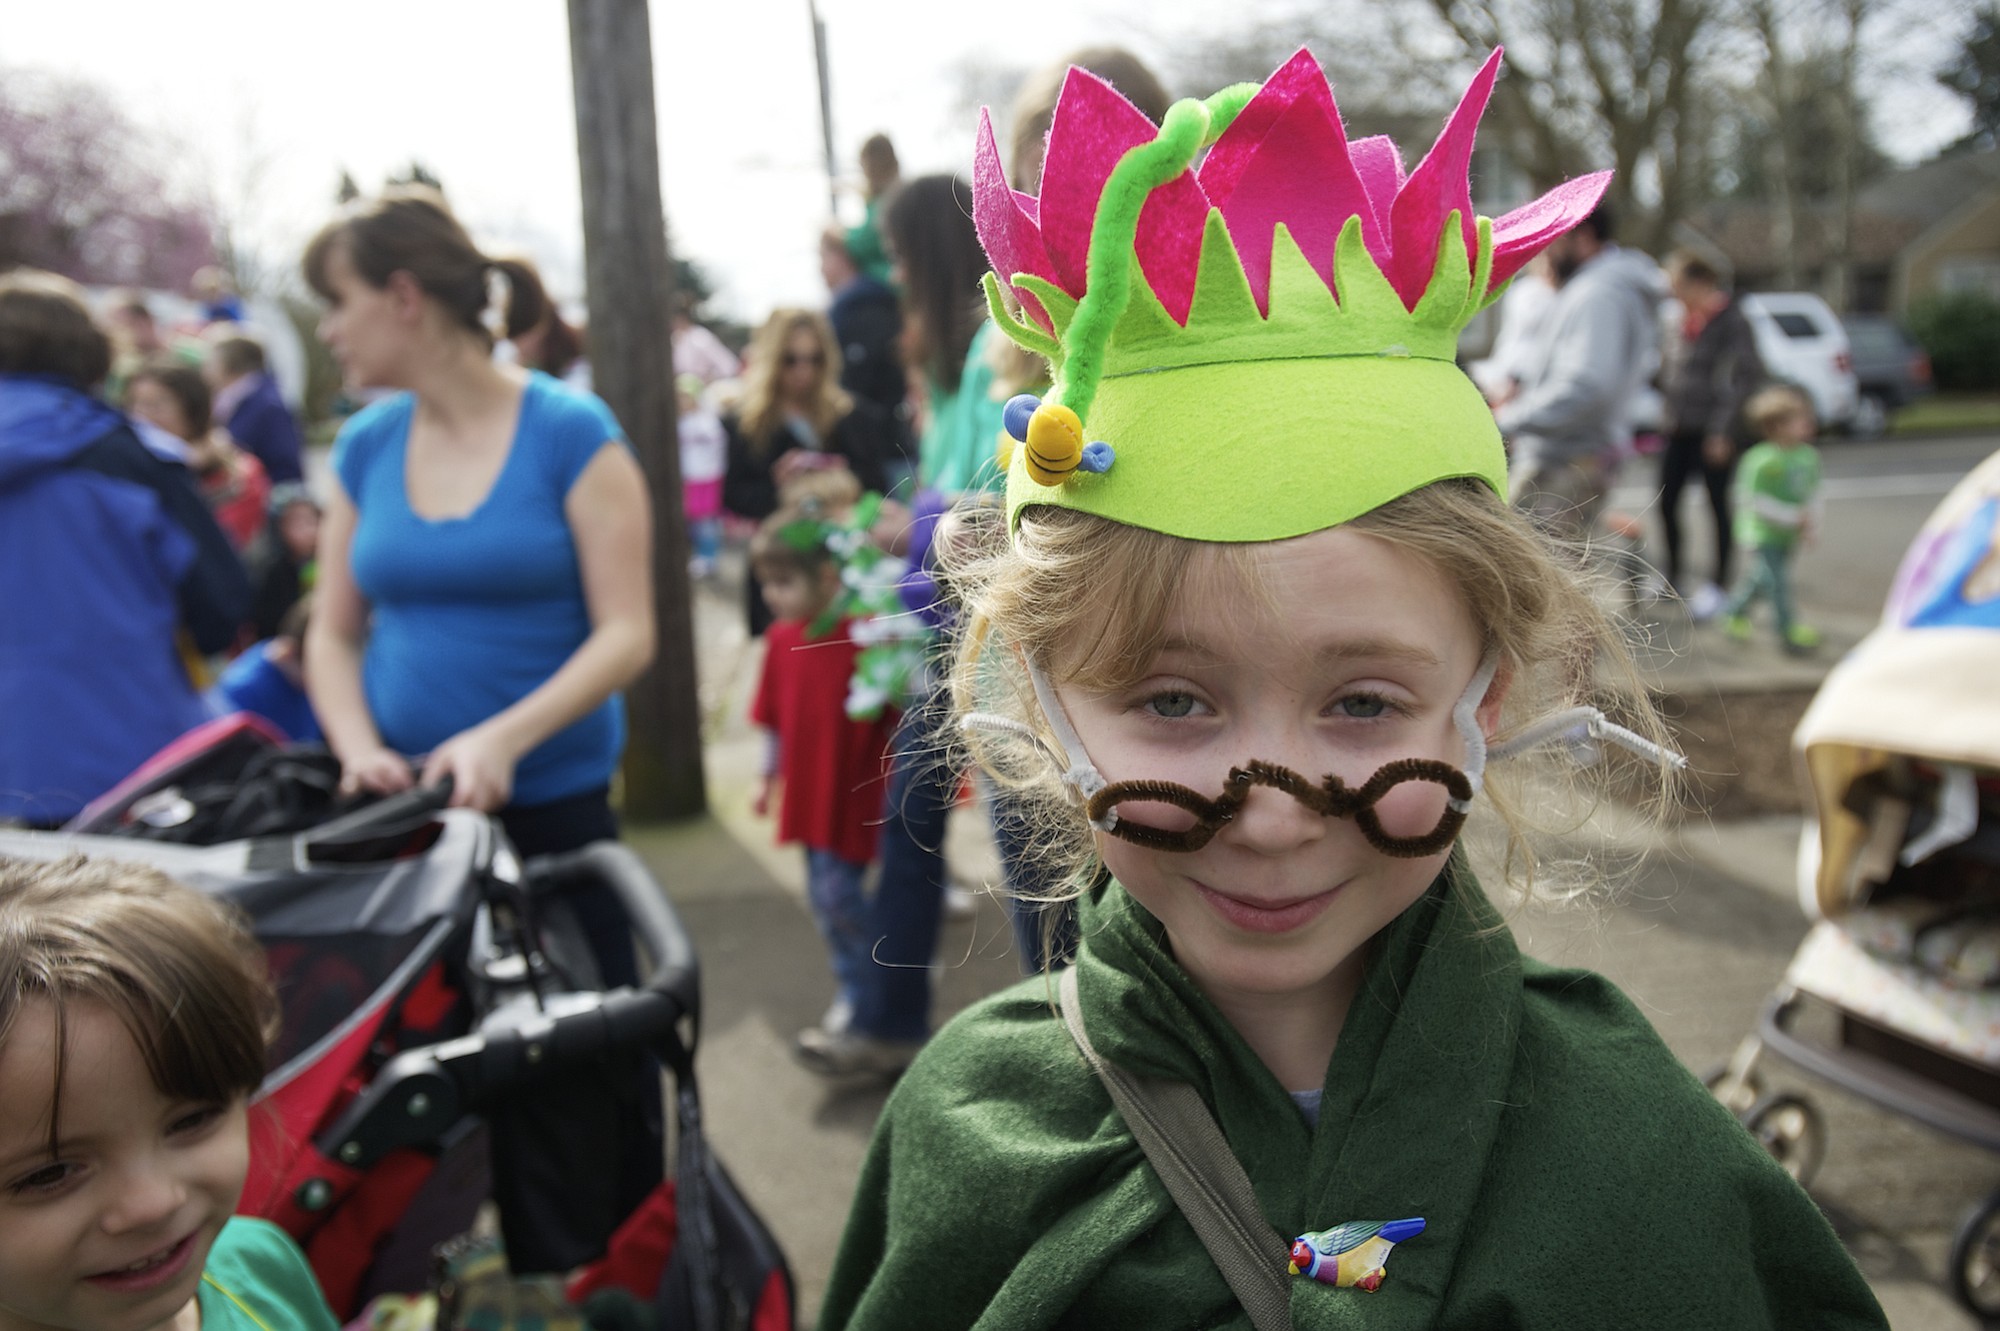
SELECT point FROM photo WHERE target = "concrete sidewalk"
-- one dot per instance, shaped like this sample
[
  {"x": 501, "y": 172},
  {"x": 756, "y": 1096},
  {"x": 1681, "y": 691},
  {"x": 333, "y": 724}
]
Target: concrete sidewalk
[{"x": 1675, "y": 655}]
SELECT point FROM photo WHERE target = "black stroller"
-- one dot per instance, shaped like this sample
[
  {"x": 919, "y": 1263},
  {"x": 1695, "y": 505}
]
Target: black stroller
[{"x": 446, "y": 1041}]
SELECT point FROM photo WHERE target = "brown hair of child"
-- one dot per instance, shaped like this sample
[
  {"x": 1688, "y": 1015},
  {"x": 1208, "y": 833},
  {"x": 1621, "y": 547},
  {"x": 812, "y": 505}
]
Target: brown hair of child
[
  {"x": 775, "y": 555},
  {"x": 179, "y": 969},
  {"x": 183, "y": 382},
  {"x": 45, "y": 328}
]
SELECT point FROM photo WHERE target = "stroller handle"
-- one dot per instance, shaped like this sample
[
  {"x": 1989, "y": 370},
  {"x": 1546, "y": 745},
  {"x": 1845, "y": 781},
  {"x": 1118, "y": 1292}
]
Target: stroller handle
[
  {"x": 656, "y": 926},
  {"x": 390, "y": 813}
]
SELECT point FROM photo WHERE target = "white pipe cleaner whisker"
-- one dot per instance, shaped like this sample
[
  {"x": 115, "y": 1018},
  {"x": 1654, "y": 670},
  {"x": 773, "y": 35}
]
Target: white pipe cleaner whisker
[
  {"x": 1465, "y": 716},
  {"x": 1080, "y": 776},
  {"x": 1578, "y": 729}
]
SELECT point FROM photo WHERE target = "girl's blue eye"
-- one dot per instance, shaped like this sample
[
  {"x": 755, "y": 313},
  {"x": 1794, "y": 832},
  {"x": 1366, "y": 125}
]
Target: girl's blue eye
[
  {"x": 1172, "y": 705},
  {"x": 1363, "y": 706}
]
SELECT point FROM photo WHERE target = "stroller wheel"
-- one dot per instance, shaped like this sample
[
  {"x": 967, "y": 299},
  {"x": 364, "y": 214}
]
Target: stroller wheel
[
  {"x": 1738, "y": 1094},
  {"x": 1790, "y": 1129},
  {"x": 1975, "y": 1260}
]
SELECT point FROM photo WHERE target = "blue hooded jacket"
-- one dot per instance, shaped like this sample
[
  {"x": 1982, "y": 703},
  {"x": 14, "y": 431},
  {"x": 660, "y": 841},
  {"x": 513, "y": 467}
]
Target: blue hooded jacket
[{"x": 106, "y": 551}]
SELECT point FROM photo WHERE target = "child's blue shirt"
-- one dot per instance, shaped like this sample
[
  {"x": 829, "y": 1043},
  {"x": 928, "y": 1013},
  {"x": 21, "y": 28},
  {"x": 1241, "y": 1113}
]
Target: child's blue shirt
[{"x": 253, "y": 682}]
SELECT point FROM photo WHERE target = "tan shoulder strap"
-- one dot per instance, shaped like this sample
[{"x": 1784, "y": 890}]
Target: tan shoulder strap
[{"x": 1191, "y": 1156}]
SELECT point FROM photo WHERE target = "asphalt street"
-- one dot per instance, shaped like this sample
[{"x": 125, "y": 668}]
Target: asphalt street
[{"x": 1698, "y": 929}]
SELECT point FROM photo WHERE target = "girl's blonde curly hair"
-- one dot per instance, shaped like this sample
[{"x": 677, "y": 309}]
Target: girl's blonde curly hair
[{"x": 1088, "y": 600}]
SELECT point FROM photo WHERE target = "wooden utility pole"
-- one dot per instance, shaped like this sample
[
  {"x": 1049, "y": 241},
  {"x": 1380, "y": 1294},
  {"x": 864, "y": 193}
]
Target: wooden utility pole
[
  {"x": 825, "y": 108},
  {"x": 631, "y": 355}
]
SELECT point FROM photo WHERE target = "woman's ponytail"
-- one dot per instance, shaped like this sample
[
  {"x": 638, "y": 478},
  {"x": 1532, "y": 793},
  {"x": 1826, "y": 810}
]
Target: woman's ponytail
[{"x": 527, "y": 305}]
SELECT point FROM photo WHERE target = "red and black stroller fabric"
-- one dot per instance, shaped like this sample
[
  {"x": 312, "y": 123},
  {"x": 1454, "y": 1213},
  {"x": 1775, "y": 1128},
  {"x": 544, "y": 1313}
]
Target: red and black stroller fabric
[{"x": 446, "y": 1042}]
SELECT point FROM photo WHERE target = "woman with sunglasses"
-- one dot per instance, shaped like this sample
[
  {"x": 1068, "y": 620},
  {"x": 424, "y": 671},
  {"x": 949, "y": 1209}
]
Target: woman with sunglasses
[{"x": 795, "y": 418}]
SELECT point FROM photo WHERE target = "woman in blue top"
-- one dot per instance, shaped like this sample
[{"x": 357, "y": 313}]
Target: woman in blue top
[{"x": 485, "y": 560}]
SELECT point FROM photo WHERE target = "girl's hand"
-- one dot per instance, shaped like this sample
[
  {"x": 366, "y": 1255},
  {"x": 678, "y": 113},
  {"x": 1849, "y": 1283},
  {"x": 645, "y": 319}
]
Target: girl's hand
[
  {"x": 481, "y": 768},
  {"x": 1717, "y": 450},
  {"x": 379, "y": 771},
  {"x": 760, "y": 797}
]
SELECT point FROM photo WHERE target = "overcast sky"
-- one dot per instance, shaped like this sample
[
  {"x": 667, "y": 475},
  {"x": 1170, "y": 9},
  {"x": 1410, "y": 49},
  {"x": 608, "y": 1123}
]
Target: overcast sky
[{"x": 270, "y": 101}]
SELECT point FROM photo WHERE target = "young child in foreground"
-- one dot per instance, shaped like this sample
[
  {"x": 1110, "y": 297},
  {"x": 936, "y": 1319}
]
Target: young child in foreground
[
  {"x": 1777, "y": 493},
  {"x": 1262, "y": 637},
  {"x": 826, "y": 772},
  {"x": 134, "y": 1016}
]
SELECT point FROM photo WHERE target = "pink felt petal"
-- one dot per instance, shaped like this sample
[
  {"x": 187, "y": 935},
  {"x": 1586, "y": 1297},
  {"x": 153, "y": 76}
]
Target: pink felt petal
[
  {"x": 1298, "y": 77},
  {"x": 1527, "y": 231},
  {"x": 1013, "y": 243},
  {"x": 1380, "y": 164},
  {"x": 1299, "y": 175},
  {"x": 1092, "y": 129},
  {"x": 1440, "y": 184},
  {"x": 1169, "y": 242}
]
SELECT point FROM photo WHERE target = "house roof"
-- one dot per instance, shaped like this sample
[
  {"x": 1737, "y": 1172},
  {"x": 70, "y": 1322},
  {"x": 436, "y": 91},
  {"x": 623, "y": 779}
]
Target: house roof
[
  {"x": 1930, "y": 191},
  {"x": 1890, "y": 212}
]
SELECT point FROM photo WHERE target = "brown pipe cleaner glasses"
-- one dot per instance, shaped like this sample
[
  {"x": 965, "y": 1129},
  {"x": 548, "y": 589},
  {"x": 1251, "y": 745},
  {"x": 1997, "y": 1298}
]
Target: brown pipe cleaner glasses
[{"x": 1331, "y": 797}]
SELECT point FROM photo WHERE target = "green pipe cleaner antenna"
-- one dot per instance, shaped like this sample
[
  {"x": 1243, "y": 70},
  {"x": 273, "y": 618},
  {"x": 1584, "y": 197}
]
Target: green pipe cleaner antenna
[{"x": 1188, "y": 127}]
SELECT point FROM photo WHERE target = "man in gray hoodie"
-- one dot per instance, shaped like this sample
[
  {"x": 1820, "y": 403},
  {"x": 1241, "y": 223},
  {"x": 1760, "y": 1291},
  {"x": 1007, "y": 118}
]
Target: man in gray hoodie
[{"x": 1569, "y": 421}]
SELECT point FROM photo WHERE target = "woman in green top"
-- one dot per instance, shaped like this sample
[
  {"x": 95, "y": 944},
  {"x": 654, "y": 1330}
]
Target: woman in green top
[
  {"x": 134, "y": 1016},
  {"x": 1262, "y": 632}
]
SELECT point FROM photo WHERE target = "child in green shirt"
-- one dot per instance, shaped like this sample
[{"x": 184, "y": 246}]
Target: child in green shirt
[
  {"x": 1777, "y": 486},
  {"x": 134, "y": 1018}
]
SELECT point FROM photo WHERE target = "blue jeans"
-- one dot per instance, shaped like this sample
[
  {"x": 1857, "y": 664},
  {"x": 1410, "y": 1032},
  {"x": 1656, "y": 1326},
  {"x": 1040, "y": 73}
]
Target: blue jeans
[
  {"x": 894, "y": 1002},
  {"x": 840, "y": 909},
  {"x": 1041, "y": 928},
  {"x": 705, "y": 535},
  {"x": 1769, "y": 575}
]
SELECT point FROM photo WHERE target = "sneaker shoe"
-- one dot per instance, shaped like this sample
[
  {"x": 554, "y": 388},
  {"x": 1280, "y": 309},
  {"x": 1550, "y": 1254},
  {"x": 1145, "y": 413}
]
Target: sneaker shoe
[
  {"x": 839, "y": 1016},
  {"x": 847, "y": 1053},
  {"x": 1801, "y": 639},
  {"x": 1706, "y": 603},
  {"x": 1736, "y": 628}
]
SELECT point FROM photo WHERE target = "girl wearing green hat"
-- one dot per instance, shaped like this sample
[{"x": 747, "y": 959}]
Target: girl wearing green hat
[{"x": 1261, "y": 637}]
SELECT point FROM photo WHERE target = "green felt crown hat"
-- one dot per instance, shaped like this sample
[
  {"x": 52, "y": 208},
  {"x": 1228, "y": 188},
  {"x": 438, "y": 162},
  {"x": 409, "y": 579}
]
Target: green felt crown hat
[{"x": 1260, "y": 346}]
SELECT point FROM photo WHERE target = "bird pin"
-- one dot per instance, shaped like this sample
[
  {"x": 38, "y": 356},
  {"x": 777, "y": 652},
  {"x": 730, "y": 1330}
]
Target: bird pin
[{"x": 1351, "y": 1254}]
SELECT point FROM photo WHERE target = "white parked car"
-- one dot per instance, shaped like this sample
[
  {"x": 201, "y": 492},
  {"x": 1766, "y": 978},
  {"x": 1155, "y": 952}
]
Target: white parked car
[{"x": 1803, "y": 343}]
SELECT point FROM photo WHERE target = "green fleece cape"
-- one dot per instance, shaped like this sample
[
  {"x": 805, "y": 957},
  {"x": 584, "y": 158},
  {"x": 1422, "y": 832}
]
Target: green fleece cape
[{"x": 1573, "y": 1174}]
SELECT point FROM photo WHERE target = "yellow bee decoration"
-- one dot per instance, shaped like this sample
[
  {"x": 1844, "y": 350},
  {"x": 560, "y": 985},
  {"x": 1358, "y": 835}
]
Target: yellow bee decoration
[
  {"x": 1055, "y": 444},
  {"x": 1053, "y": 435}
]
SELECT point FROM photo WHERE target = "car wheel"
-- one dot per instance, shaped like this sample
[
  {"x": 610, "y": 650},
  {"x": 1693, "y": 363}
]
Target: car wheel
[{"x": 1871, "y": 417}]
